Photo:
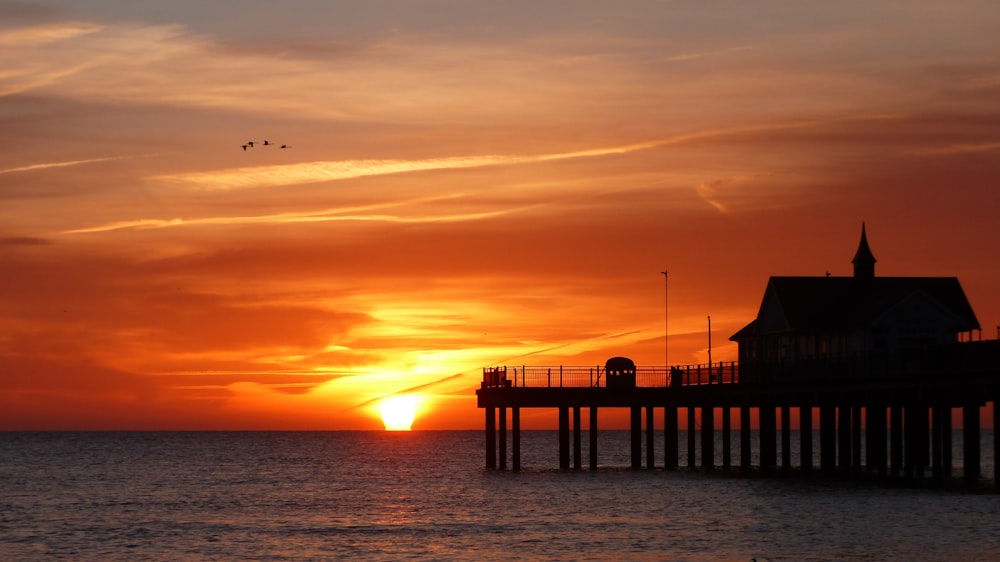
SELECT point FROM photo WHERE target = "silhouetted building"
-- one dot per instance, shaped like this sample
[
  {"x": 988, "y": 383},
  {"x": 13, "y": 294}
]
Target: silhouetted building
[
  {"x": 620, "y": 372},
  {"x": 852, "y": 326}
]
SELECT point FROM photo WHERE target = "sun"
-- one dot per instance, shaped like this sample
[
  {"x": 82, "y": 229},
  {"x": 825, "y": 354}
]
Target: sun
[{"x": 398, "y": 412}]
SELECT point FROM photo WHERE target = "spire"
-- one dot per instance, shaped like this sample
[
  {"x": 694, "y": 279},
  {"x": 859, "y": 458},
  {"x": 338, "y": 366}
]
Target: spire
[{"x": 864, "y": 260}]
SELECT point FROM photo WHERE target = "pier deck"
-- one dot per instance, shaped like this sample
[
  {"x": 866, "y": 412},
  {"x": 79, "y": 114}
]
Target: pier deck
[{"x": 895, "y": 427}]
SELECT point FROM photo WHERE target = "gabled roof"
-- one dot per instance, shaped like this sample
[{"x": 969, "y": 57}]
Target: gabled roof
[{"x": 838, "y": 304}]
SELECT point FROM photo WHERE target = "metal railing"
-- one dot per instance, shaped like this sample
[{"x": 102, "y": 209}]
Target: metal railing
[{"x": 563, "y": 376}]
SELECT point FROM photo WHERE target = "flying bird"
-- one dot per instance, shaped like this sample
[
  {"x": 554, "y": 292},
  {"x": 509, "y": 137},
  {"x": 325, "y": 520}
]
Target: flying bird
[
  {"x": 266, "y": 143},
  {"x": 244, "y": 148},
  {"x": 250, "y": 144},
  {"x": 284, "y": 146}
]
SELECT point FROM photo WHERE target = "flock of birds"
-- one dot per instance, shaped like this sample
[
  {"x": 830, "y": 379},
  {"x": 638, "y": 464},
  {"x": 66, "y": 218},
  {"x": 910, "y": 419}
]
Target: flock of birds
[{"x": 250, "y": 144}]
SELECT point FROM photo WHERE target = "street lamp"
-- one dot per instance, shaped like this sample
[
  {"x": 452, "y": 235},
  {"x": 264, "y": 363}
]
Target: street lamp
[
  {"x": 709, "y": 344},
  {"x": 666, "y": 362}
]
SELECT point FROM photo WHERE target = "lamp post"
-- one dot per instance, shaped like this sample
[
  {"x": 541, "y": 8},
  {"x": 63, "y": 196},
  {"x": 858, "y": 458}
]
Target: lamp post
[
  {"x": 709, "y": 344},
  {"x": 666, "y": 361}
]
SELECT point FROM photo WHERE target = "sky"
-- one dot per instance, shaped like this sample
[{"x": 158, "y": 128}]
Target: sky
[{"x": 465, "y": 184}]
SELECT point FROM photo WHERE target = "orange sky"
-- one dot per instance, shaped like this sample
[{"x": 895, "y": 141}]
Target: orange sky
[{"x": 468, "y": 184}]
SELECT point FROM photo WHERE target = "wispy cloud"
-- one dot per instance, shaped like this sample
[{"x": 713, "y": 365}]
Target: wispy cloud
[
  {"x": 351, "y": 214},
  {"x": 47, "y": 165},
  {"x": 323, "y": 171},
  {"x": 957, "y": 149},
  {"x": 313, "y": 172},
  {"x": 34, "y": 36},
  {"x": 702, "y": 55}
]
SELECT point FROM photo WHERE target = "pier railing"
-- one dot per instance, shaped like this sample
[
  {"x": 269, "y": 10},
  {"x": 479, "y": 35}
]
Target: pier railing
[{"x": 564, "y": 376}]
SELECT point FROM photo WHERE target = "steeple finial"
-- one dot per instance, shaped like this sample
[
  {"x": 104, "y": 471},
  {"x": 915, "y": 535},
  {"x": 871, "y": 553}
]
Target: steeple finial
[{"x": 864, "y": 260}]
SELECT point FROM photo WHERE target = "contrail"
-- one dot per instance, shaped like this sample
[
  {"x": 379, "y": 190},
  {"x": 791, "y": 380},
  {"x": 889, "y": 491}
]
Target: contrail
[
  {"x": 463, "y": 373},
  {"x": 47, "y": 165},
  {"x": 405, "y": 391}
]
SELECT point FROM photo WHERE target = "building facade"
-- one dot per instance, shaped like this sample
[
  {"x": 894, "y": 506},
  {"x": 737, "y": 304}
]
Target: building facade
[{"x": 858, "y": 326}]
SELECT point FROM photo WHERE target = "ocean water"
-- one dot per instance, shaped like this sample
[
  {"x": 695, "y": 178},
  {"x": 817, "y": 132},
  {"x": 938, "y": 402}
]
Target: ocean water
[{"x": 426, "y": 496}]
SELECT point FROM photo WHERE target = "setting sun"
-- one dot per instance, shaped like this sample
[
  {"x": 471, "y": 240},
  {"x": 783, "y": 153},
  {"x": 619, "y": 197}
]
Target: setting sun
[{"x": 398, "y": 412}]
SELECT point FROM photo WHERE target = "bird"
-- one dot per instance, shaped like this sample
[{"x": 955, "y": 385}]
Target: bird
[
  {"x": 266, "y": 143},
  {"x": 244, "y": 148},
  {"x": 284, "y": 146},
  {"x": 250, "y": 144}
]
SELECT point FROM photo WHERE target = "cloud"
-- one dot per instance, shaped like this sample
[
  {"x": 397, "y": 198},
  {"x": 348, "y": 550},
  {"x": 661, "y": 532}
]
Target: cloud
[
  {"x": 47, "y": 165},
  {"x": 352, "y": 214},
  {"x": 957, "y": 149},
  {"x": 23, "y": 241}
]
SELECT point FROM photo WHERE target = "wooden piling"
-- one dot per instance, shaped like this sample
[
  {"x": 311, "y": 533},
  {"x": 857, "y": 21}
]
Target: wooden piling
[
  {"x": 786, "y": 438},
  {"x": 745, "y": 442},
  {"x": 515, "y": 420},
  {"x": 707, "y": 438},
  {"x": 649, "y": 438},
  {"x": 806, "y": 439},
  {"x": 636, "y": 434},
  {"x": 970, "y": 443},
  {"x": 563, "y": 437},
  {"x": 577, "y": 454},
  {"x": 727, "y": 439},
  {"x": 670, "y": 454},
  {"x": 593, "y": 438},
  {"x": 691, "y": 436},
  {"x": 491, "y": 437},
  {"x": 503, "y": 438},
  {"x": 844, "y": 438},
  {"x": 827, "y": 438}
]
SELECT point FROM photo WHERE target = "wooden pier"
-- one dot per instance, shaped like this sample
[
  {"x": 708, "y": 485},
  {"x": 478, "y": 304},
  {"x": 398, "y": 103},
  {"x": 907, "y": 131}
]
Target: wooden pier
[{"x": 894, "y": 427}]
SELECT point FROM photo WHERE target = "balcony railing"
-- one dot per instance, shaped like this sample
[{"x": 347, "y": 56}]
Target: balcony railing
[{"x": 563, "y": 376}]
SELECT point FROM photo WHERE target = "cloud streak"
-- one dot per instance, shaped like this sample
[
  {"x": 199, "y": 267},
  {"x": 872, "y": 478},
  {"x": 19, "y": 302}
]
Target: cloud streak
[
  {"x": 65, "y": 164},
  {"x": 352, "y": 214}
]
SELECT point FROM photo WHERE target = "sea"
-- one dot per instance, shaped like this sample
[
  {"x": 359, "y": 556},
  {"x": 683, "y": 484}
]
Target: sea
[{"x": 426, "y": 495}]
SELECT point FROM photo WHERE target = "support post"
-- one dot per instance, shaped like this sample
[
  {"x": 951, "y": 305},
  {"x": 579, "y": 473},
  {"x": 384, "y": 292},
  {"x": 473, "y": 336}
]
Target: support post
[
  {"x": 844, "y": 438},
  {"x": 937, "y": 442},
  {"x": 491, "y": 437},
  {"x": 970, "y": 443},
  {"x": 768, "y": 438},
  {"x": 786, "y": 438},
  {"x": 727, "y": 439},
  {"x": 515, "y": 421},
  {"x": 707, "y": 438},
  {"x": 563, "y": 437},
  {"x": 896, "y": 440},
  {"x": 649, "y": 437},
  {"x": 947, "y": 442},
  {"x": 670, "y": 437},
  {"x": 856, "y": 413},
  {"x": 691, "y": 437},
  {"x": 996, "y": 445},
  {"x": 577, "y": 454},
  {"x": 593, "y": 438},
  {"x": 877, "y": 439},
  {"x": 827, "y": 438},
  {"x": 915, "y": 437},
  {"x": 636, "y": 434},
  {"x": 745, "y": 443},
  {"x": 503, "y": 438},
  {"x": 806, "y": 438}
]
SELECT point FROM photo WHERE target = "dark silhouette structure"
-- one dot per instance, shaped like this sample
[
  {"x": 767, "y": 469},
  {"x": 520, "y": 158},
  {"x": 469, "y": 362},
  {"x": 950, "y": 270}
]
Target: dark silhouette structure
[
  {"x": 860, "y": 326},
  {"x": 877, "y": 366},
  {"x": 620, "y": 372}
]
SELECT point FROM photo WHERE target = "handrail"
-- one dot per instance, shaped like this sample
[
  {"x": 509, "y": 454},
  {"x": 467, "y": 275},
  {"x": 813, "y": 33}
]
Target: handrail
[{"x": 558, "y": 376}]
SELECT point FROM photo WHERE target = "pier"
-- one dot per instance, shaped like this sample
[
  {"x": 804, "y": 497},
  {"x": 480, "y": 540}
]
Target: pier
[
  {"x": 878, "y": 366},
  {"x": 896, "y": 429}
]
